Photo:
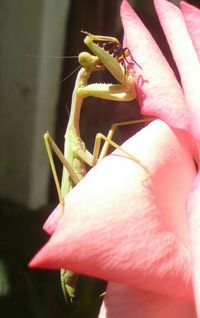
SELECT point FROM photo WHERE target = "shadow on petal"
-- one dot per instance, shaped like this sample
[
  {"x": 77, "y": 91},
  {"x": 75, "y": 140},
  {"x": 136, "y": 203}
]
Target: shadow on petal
[{"x": 123, "y": 301}]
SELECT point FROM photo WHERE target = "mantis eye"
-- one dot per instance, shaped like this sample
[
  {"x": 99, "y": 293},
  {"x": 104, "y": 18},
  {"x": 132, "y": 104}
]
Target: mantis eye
[{"x": 89, "y": 61}]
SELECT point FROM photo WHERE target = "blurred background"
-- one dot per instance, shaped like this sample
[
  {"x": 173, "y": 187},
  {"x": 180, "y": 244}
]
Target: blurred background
[{"x": 33, "y": 99}]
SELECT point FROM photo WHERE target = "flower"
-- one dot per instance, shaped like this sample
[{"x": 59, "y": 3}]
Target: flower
[
  {"x": 127, "y": 227},
  {"x": 137, "y": 230},
  {"x": 158, "y": 90}
]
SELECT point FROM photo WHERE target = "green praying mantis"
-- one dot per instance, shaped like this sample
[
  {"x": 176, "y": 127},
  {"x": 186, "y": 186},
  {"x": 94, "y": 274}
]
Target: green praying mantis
[{"x": 108, "y": 54}]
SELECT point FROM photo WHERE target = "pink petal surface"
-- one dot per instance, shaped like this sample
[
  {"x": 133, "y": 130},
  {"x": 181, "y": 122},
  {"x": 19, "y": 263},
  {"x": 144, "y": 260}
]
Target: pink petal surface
[
  {"x": 124, "y": 301},
  {"x": 158, "y": 91},
  {"x": 191, "y": 16},
  {"x": 185, "y": 56},
  {"x": 193, "y": 207},
  {"x": 53, "y": 220},
  {"x": 119, "y": 227}
]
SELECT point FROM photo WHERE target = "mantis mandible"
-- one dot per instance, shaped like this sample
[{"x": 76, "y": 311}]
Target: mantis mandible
[{"x": 75, "y": 153}]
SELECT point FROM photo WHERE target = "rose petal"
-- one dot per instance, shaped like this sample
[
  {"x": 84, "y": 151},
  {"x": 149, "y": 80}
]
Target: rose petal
[
  {"x": 123, "y": 301},
  {"x": 193, "y": 207},
  {"x": 185, "y": 56},
  {"x": 191, "y": 16},
  {"x": 158, "y": 91},
  {"x": 53, "y": 220},
  {"x": 119, "y": 227}
]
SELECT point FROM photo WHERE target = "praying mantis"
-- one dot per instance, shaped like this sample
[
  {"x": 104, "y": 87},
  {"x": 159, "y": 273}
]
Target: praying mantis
[{"x": 109, "y": 54}]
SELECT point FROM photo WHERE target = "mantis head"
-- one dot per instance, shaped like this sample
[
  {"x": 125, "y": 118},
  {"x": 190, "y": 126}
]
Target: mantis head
[{"x": 90, "y": 62}]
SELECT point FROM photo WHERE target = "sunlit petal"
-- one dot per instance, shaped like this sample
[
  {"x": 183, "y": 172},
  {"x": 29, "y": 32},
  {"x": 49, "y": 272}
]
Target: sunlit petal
[
  {"x": 191, "y": 16},
  {"x": 124, "y": 225},
  {"x": 185, "y": 56},
  {"x": 158, "y": 91}
]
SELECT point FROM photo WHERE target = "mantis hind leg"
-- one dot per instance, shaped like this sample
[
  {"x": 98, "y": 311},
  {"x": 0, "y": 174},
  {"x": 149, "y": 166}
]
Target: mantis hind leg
[
  {"x": 50, "y": 144},
  {"x": 97, "y": 154},
  {"x": 68, "y": 278}
]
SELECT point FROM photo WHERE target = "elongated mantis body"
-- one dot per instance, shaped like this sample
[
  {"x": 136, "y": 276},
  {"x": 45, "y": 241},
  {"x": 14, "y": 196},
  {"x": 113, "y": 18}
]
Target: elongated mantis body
[{"x": 75, "y": 153}]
